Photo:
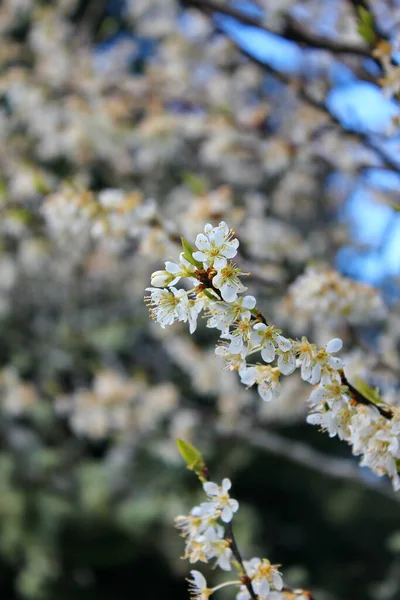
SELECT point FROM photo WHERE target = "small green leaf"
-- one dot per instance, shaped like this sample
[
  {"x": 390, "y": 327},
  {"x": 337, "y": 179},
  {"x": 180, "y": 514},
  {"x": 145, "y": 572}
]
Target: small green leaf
[
  {"x": 3, "y": 189},
  {"x": 40, "y": 184},
  {"x": 188, "y": 250},
  {"x": 196, "y": 184},
  {"x": 366, "y": 390},
  {"x": 211, "y": 295},
  {"x": 192, "y": 457},
  {"x": 366, "y": 25}
]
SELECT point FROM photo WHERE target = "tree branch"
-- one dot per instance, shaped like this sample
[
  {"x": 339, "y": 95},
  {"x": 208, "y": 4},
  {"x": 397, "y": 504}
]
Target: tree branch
[
  {"x": 305, "y": 456},
  {"x": 302, "y": 93},
  {"x": 359, "y": 397},
  {"x": 292, "y": 30}
]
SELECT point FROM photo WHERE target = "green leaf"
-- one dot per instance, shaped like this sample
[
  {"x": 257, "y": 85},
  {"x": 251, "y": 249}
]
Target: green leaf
[
  {"x": 188, "y": 250},
  {"x": 3, "y": 189},
  {"x": 196, "y": 184},
  {"x": 40, "y": 185},
  {"x": 211, "y": 295},
  {"x": 192, "y": 457},
  {"x": 366, "y": 25},
  {"x": 366, "y": 390}
]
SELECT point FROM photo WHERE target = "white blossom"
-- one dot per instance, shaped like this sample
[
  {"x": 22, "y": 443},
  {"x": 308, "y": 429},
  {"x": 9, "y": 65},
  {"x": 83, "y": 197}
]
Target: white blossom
[
  {"x": 198, "y": 586},
  {"x": 266, "y": 378},
  {"x": 227, "y": 281},
  {"x": 216, "y": 245},
  {"x": 221, "y": 500},
  {"x": 169, "y": 305},
  {"x": 221, "y": 315},
  {"x": 173, "y": 273},
  {"x": 269, "y": 339}
]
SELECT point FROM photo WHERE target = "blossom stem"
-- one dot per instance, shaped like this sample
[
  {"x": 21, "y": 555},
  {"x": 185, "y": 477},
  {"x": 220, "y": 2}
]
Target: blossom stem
[
  {"x": 226, "y": 583},
  {"x": 236, "y": 553},
  {"x": 359, "y": 397}
]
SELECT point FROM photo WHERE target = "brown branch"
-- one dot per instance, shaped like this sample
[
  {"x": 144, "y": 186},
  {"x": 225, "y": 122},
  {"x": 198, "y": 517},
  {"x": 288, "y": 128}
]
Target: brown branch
[
  {"x": 361, "y": 399},
  {"x": 236, "y": 553},
  {"x": 292, "y": 30}
]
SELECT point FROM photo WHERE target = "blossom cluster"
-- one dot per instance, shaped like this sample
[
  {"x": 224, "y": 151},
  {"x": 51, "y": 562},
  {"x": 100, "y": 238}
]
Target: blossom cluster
[
  {"x": 325, "y": 295},
  {"x": 215, "y": 287},
  {"x": 112, "y": 212},
  {"x": 202, "y": 529},
  {"x": 116, "y": 403},
  {"x": 206, "y": 537}
]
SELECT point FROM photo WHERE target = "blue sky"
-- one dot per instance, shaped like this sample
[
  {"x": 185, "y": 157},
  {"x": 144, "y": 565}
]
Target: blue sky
[{"x": 359, "y": 106}]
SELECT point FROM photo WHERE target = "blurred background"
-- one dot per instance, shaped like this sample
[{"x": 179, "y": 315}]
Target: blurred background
[{"x": 125, "y": 124}]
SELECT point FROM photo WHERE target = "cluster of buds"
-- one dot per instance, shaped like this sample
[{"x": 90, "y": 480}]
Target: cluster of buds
[
  {"x": 215, "y": 287},
  {"x": 209, "y": 534}
]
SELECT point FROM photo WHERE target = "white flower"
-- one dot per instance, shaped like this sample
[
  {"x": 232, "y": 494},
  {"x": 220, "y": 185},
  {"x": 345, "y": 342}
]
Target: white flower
[
  {"x": 265, "y": 578},
  {"x": 222, "y": 315},
  {"x": 328, "y": 393},
  {"x": 189, "y": 310},
  {"x": 221, "y": 499},
  {"x": 239, "y": 337},
  {"x": 227, "y": 281},
  {"x": 215, "y": 246},
  {"x": 319, "y": 364},
  {"x": 198, "y": 586},
  {"x": 335, "y": 422},
  {"x": 234, "y": 361},
  {"x": 201, "y": 521},
  {"x": 218, "y": 548},
  {"x": 266, "y": 377},
  {"x": 173, "y": 273},
  {"x": 269, "y": 338},
  {"x": 169, "y": 305},
  {"x": 286, "y": 362}
]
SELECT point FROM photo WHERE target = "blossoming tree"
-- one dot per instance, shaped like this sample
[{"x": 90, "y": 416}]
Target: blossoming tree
[{"x": 141, "y": 142}]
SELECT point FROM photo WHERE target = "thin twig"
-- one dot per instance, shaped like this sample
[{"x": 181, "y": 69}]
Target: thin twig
[
  {"x": 236, "y": 553},
  {"x": 359, "y": 397}
]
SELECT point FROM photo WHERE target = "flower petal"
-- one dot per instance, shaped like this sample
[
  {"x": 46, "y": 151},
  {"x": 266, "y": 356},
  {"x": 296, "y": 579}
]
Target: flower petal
[
  {"x": 226, "y": 515},
  {"x": 226, "y": 484},
  {"x": 211, "y": 488},
  {"x": 334, "y": 345},
  {"x": 202, "y": 242},
  {"x": 268, "y": 352}
]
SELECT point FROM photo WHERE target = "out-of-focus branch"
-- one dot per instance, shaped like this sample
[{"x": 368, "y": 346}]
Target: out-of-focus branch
[
  {"x": 292, "y": 29},
  {"x": 90, "y": 19},
  {"x": 305, "y": 456}
]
